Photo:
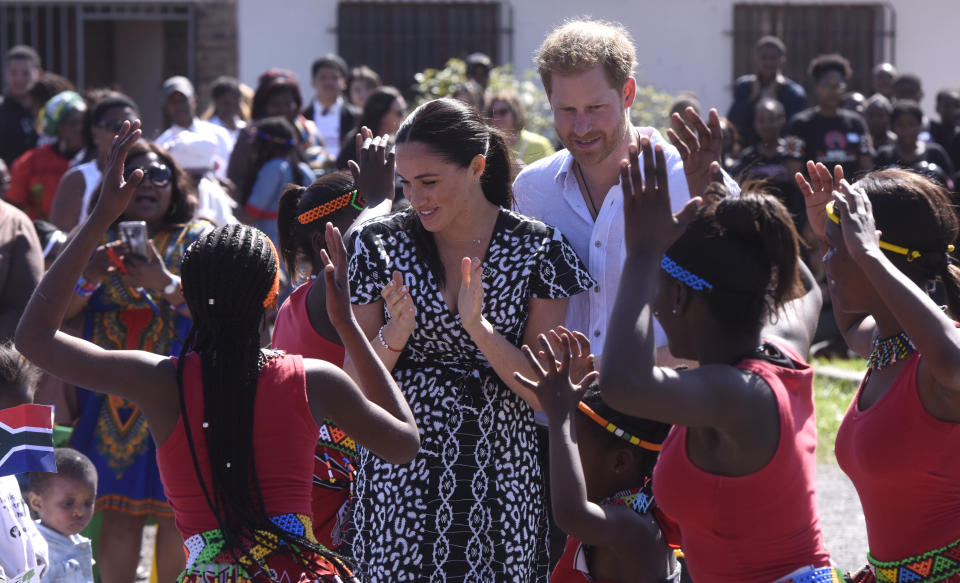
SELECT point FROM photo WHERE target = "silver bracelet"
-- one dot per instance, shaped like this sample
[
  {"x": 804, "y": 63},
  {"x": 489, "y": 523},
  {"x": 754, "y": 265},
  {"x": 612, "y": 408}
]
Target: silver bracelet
[{"x": 384, "y": 342}]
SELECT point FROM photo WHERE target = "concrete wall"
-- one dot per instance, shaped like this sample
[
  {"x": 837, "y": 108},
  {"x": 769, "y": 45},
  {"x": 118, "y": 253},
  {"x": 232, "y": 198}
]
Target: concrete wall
[
  {"x": 682, "y": 44},
  {"x": 288, "y": 34}
]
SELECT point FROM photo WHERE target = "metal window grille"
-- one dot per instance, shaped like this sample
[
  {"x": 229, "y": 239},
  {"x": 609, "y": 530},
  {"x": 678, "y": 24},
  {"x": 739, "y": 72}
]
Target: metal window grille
[
  {"x": 399, "y": 39},
  {"x": 863, "y": 33},
  {"x": 73, "y": 39}
]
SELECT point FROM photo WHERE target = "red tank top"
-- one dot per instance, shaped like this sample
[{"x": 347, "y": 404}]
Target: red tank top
[
  {"x": 294, "y": 334},
  {"x": 284, "y": 435},
  {"x": 757, "y": 527},
  {"x": 905, "y": 465},
  {"x": 572, "y": 566}
]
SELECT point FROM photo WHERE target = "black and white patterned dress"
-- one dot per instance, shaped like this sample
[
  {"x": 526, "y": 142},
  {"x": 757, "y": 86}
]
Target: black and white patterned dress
[{"x": 470, "y": 506}]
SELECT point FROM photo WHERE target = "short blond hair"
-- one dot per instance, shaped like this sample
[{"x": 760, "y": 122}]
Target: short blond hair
[{"x": 579, "y": 45}]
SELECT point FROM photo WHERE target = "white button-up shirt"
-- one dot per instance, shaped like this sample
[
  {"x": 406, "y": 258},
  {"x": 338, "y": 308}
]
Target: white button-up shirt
[
  {"x": 329, "y": 125},
  {"x": 548, "y": 190}
]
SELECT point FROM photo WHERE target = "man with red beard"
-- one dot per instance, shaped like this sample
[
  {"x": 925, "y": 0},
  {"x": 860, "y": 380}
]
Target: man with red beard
[{"x": 587, "y": 71}]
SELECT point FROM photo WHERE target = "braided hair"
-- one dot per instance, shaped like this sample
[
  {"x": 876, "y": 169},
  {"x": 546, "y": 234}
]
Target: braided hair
[{"x": 225, "y": 334}]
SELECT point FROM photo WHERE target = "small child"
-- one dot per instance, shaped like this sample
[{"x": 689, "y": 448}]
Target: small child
[
  {"x": 64, "y": 502},
  {"x": 601, "y": 463},
  {"x": 24, "y": 548}
]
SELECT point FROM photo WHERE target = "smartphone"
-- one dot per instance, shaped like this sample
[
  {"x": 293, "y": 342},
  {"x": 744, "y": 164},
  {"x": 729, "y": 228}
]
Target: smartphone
[{"x": 134, "y": 235}]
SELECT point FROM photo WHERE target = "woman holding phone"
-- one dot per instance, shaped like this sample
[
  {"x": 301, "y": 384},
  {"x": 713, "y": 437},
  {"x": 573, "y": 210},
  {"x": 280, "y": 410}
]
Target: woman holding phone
[{"x": 131, "y": 300}]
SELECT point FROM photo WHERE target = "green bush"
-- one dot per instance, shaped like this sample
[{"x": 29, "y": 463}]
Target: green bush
[{"x": 650, "y": 108}]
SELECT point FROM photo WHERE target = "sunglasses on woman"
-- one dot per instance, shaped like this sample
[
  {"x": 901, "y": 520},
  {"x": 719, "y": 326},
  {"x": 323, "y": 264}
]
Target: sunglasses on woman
[{"x": 158, "y": 174}]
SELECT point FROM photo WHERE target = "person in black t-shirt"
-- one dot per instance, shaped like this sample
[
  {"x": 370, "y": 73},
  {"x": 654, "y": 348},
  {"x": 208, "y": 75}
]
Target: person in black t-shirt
[
  {"x": 768, "y": 80},
  {"x": 826, "y": 133},
  {"x": 909, "y": 151},
  {"x": 876, "y": 112},
  {"x": 948, "y": 107},
  {"x": 883, "y": 77},
  {"x": 767, "y": 159},
  {"x": 21, "y": 69}
]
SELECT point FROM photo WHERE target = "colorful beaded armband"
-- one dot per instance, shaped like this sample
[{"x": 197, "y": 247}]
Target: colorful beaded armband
[{"x": 85, "y": 288}]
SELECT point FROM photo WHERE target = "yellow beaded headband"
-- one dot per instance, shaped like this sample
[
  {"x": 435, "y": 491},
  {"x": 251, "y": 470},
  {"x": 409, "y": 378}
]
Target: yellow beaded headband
[
  {"x": 352, "y": 198},
  {"x": 910, "y": 254},
  {"x": 632, "y": 439}
]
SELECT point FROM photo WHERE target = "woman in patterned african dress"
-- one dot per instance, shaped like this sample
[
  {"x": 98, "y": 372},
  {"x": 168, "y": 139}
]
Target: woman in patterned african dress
[
  {"x": 135, "y": 302},
  {"x": 470, "y": 506}
]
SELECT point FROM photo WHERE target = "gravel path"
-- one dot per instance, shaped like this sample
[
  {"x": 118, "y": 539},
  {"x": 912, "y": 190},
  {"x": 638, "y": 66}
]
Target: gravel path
[{"x": 841, "y": 518}]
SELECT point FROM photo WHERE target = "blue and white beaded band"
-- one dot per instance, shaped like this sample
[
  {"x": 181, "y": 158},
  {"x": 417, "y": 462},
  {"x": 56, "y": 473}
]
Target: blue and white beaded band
[{"x": 691, "y": 280}]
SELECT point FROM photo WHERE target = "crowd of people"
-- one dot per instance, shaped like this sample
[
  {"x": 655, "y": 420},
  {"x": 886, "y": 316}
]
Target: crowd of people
[{"x": 336, "y": 341}]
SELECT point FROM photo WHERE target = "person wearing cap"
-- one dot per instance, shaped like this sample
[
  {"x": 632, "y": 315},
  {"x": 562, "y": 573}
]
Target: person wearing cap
[
  {"x": 768, "y": 80},
  {"x": 333, "y": 115},
  {"x": 21, "y": 69},
  {"x": 180, "y": 107},
  {"x": 36, "y": 174},
  {"x": 478, "y": 69}
]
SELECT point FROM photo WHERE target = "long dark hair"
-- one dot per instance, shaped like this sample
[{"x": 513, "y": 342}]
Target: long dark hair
[
  {"x": 228, "y": 275},
  {"x": 270, "y": 82},
  {"x": 457, "y": 133},
  {"x": 378, "y": 105},
  {"x": 915, "y": 212},
  {"x": 747, "y": 249},
  {"x": 274, "y": 137},
  {"x": 295, "y": 236}
]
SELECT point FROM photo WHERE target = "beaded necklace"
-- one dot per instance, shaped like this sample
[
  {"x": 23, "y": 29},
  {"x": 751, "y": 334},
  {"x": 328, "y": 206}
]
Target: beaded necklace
[
  {"x": 887, "y": 351},
  {"x": 638, "y": 499}
]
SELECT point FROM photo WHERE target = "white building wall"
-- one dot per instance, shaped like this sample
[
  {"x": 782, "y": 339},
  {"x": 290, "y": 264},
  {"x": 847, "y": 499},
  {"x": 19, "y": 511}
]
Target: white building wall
[
  {"x": 682, "y": 44},
  {"x": 288, "y": 34}
]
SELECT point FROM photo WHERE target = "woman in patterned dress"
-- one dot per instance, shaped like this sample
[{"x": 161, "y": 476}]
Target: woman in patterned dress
[
  {"x": 470, "y": 506},
  {"x": 133, "y": 302}
]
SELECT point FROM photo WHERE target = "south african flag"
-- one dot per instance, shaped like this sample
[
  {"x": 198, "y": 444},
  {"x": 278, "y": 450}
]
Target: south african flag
[{"x": 26, "y": 440}]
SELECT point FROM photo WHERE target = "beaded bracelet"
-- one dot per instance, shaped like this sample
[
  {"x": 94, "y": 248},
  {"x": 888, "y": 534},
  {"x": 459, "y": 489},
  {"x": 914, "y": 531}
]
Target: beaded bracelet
[
  {"x": 85, "y": 288},
  {"x": 384, "y": 342}
]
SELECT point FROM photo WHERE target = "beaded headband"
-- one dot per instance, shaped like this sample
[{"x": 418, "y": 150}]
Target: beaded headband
[
  {"x": 910, "y": 254},
  {"x": 612, "y": 428},
  {"x": 352, "y": 198},
  {"x": 270, "y": 302},
  {"x": 275, "y": 139},
  {"x": 691, "y": 280}
]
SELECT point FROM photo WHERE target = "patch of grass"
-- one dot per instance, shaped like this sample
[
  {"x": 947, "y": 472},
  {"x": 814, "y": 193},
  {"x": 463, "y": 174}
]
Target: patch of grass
[
  {"x": 832, "y": 397},
  {"x": 857, "y": 364}
]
